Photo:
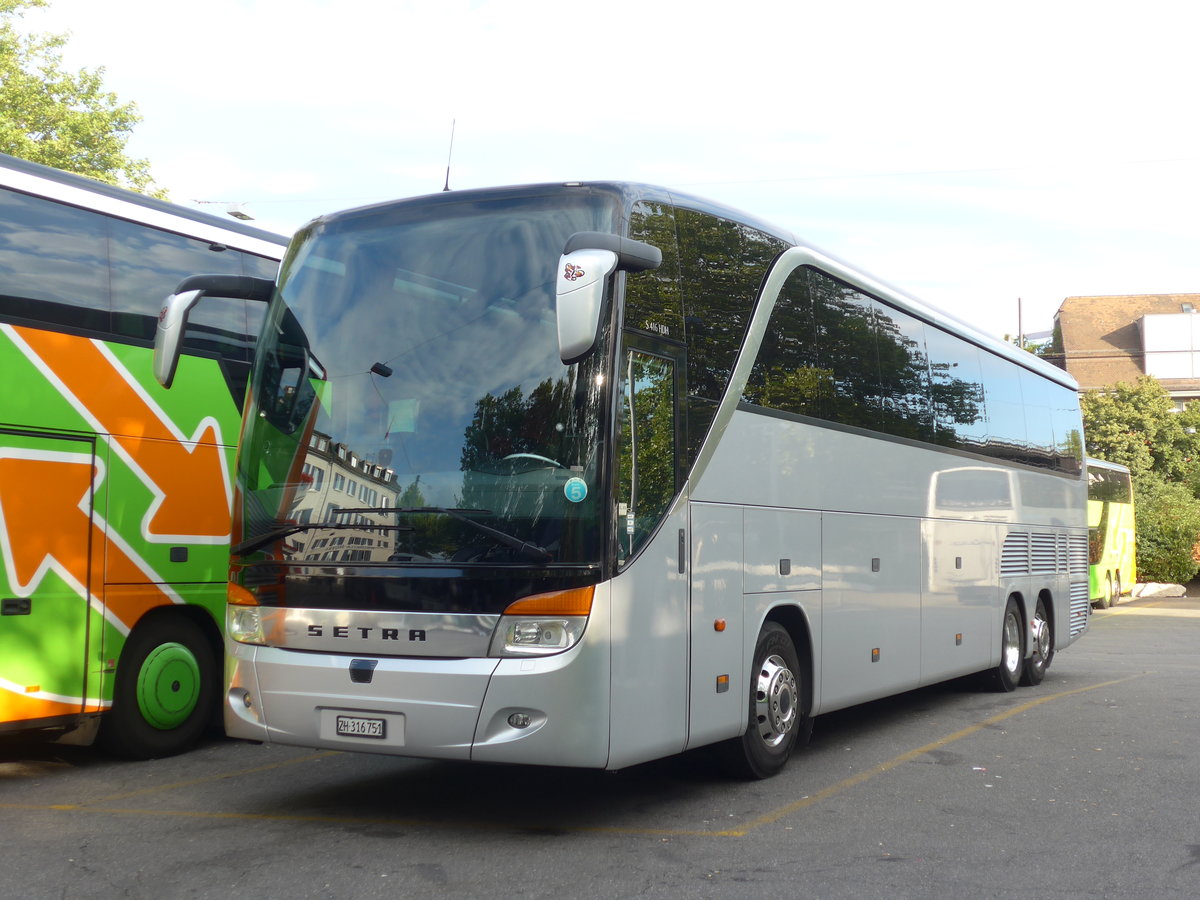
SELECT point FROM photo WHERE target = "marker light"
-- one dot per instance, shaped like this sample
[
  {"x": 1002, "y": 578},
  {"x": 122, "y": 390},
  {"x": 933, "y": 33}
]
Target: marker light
[{"x": 543, "y": 623}]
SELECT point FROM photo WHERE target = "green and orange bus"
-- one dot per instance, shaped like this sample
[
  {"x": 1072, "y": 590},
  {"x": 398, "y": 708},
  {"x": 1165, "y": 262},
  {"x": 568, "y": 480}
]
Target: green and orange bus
[{"x": 114, "y": 494}]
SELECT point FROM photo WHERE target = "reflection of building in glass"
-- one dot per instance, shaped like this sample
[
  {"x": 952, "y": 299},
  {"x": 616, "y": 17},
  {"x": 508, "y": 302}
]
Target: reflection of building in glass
[{"x": 341, "y": 488}]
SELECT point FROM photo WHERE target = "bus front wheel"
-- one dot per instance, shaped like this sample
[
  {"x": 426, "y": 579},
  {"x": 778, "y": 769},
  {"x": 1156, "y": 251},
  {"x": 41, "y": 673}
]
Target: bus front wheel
[
  {"x": 165, "y": 690},
  {"x": 776, "y": 714}
]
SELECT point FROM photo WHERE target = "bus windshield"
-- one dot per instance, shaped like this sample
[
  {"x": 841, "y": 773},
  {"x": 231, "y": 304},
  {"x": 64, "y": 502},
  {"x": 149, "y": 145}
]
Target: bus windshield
[{"x": 409, "y": 403}]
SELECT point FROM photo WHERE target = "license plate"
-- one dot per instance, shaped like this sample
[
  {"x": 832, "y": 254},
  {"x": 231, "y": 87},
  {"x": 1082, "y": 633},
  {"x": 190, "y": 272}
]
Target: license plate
[{"x": 360, "y": 727}]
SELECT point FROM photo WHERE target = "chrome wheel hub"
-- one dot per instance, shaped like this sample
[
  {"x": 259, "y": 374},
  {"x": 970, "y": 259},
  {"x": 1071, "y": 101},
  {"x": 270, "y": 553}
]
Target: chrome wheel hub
[
  {"x": 1012, "y": 643},
  {"x": 776, "y": 701},
  {"x": 1041, "y": 637}
]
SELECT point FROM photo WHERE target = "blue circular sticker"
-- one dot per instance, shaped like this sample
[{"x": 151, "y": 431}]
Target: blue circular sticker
[{"x": 575, "y": 489}]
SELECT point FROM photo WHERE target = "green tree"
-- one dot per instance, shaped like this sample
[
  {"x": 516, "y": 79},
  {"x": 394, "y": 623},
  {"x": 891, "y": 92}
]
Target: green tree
[
  {"x": 1168, "y": 523},
  {"x": 1136, "y": 424},
  {"x": 59, "y": 118}
]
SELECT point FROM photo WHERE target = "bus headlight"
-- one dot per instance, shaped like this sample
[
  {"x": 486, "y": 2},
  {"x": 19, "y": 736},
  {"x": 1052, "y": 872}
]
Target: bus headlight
[
  {"x": 244, "y": 624},
  {"x": 524, "y": 636},
  {"x": 543, "y": 623}
]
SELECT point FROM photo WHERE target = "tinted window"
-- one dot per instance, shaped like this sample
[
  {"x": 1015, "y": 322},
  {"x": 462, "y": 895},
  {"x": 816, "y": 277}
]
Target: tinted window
[
  {"x": 957, "y": 391},
  {"x": 1039, "y": 418},
  {"x": 652, "y": 299},
  {"x": 786, "y": 373},
  {"x": 1068, "y": 430},
  {"x": 53, "y": 263},
  {"x": 722, "y": 265},
  {"x": 1005, "y": 424},
  {"x": 835, "y": 353},
  {"x": 148, "y": 264},
  {"x": 846, "y": 342},
  {"x": 903, "y": 374}
]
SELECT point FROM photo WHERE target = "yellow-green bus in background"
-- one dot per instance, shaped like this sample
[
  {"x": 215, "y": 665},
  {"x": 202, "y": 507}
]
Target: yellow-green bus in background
[{"x": 1112, "y": 548}]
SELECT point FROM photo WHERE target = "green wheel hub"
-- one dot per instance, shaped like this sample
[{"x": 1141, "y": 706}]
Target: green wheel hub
[{"x": 168, "y": 686}]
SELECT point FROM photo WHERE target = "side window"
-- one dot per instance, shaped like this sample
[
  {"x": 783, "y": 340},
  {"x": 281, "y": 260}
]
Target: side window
[
  {"x": 846, "y": 338},
  {"x": 652, "y": 299},
  {"x": 787, "y": 375},
  {"x": 904, "y": 364},
  {"x": 258, "y": 267},
  {"x": 957, "y": 391},
  {"x": 1039, "y": 419},
  {"x": 722, "y": 266},
  {"x": 1068, "y": 432},
  {"x": 53, "y": 263},
  {"x": 1006, "y": 436},
  {"x": 148, "y": 264}
]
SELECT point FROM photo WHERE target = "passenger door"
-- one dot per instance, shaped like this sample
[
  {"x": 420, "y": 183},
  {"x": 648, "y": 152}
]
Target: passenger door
[{"x": 49, "y": 547}]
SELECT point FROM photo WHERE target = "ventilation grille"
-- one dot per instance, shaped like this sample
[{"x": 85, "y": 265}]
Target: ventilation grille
[
  {"x": 1079, "y": 556},
  {"x": 1014, "y": 559},
  {"x": 1042, "y": 553},
  {"x": 1081, "y": 604}
]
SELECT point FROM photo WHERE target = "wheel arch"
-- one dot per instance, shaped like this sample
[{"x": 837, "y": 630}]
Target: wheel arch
[
  {"x": 793, "y": 620},
  {"x": 1047, "y": 597},
  {"x": 197, "y": 614}
]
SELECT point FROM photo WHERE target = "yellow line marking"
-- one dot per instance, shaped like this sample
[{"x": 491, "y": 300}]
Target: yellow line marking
[
  {"x": 868, "y": 774},
  {"x": 740, "y": 831}
]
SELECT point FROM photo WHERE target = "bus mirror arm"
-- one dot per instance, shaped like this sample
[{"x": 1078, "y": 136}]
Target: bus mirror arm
[
  {"x": 582, "y": 287},
  {"x": 173, "y": 317}
]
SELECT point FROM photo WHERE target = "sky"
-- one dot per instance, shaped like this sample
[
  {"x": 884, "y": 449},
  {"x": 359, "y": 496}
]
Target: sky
[{"x": 991, "y": 159}]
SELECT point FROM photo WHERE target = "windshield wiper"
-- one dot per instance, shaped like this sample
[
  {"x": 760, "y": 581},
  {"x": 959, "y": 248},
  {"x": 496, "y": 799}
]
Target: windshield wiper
[
  {"x": 512, "y": 542},
  {"x": 269, "y": 537}
]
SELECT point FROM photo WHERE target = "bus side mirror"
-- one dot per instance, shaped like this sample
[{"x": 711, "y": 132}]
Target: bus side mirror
[
  {"x": 173, "y": 317},
  {"x": 168, "y": 336},
  {"x": 588, "y": 259}
]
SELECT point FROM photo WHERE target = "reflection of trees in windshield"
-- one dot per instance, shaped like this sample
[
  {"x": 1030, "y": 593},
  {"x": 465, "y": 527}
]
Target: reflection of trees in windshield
[
  {"x": 435, "y": 322},
  {"x": 510, "y": 424}
]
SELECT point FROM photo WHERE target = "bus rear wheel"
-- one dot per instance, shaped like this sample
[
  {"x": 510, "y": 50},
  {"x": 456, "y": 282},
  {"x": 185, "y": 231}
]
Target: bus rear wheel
[
  {"x": 1004, "y": 677},
  {"x": 776, "y": 715},
  {"x": 165, "y": 690},
  {"x": 1043, "y": 647}
]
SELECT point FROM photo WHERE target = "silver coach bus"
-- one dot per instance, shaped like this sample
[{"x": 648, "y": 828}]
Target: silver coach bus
[{"x": 591, "y": 474}]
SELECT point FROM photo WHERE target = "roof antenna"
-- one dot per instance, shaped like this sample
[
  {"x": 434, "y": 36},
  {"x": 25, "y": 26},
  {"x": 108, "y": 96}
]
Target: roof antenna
[{"x": 449, "y": 155}]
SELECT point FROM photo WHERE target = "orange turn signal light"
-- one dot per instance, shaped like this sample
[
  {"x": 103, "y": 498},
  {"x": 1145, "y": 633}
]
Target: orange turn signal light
[
  {"x": 239, "y": 596},
  {"x": 574, "y": 602}
]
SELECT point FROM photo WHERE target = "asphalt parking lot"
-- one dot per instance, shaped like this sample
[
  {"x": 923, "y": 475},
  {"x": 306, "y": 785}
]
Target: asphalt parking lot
[{"x": 1088, "y": 785}]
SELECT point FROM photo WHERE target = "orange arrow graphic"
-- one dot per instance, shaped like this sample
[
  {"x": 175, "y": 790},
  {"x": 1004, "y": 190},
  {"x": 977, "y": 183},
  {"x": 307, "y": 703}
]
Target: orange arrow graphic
[
  {"x": 188, "y": 474},
  {"x": 40, "y": 500},
  {"x": 43, "y": 503}
]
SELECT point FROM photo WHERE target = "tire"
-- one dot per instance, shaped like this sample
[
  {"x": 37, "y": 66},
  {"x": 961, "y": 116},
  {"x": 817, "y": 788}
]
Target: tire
[
  {"x": 1007, "y": 673},
  {"x": 165, "y": 693},
  {"x": 1117, "y": 589},
  {"x": 1039, "y": 660},
  {"x": 1106, "y": 599},
  {"x": 776, "y": 717}
]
